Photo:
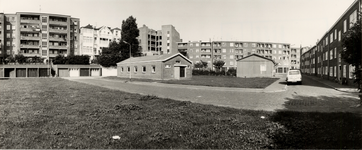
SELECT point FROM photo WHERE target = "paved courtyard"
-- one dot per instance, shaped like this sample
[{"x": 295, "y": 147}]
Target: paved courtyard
[{"x": 275, "y": 97}]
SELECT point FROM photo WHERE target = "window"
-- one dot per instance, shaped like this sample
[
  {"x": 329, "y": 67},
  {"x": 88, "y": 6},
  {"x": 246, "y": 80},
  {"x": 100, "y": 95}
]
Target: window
[
  {"x": 44, "y": 27},
  {"x": 280, "y": 52},
  {"x": 331, "y": 38},
  {"x": 335, "y": 34},
  {"x": 351, "y": 70},
  {"x": 253, "y": 45},
  {"x": 344, "y": 26},
  {"x": 191, "y": 57},
  {"x": 44, "y": 36},
  {"x": 7, "y": 35},
  {"x": 177, "y": 61},
  {"x": 231, "y": 63},
  {"x": 231, "y": 56},
  {"x": 44, "y": 19},
  {"x": 197, "y": 44},
  {"x": 197, "y": 56},
  {"x": 8, "y": 43},
  {"x": 335, "y": 71},
  {"x": 128, "y": 69},
  {"x": 121, "y": 69},
  {"x": 353, "y": 18},
  {"x": 7, "y": 27},
  {"x": 245, "y": 45},
  {"x": 231, "y": 50},
  {"x": 135, "y": 68},
  {"x": 197, "y": 50},
  {"x": 344, "y": 71},
  {"x": 331, "y": 54},
  {"x": 223, "y": 56},
  {"x": 44, "y": 44},
  {"x": 339, "y": 35},
  {"x": 153, "y": 69},
  {"x": 224, "y": 50},
  {"x": 231, "y": 44},
  {"x": 167, "y": 66},
  {"x": 335, "y": 52},
  {"x": 143, "y": 68}
]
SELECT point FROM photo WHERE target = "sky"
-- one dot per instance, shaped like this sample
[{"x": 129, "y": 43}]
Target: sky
[{"x": 298, "y": 22}]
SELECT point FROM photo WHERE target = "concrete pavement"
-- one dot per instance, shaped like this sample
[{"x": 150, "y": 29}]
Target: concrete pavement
[{"x": 336, "y": 86}]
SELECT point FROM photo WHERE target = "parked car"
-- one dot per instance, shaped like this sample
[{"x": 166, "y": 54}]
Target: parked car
[{"x": 294, "y": 76}]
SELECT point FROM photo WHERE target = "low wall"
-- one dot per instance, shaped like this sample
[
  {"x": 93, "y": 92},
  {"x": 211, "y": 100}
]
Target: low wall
[{"x": 109, "y": 71}]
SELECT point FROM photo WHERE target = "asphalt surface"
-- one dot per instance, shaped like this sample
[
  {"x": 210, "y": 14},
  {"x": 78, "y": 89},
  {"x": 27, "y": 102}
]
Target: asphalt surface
[{"x": 254, "y": 99}]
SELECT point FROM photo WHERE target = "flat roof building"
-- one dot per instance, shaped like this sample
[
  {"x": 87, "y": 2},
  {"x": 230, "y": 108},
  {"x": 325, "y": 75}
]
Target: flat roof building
[
  {"x": 158, "y": 42},
  {"x": 38, "y": 34},
  {"x": 231, "y": 51}
]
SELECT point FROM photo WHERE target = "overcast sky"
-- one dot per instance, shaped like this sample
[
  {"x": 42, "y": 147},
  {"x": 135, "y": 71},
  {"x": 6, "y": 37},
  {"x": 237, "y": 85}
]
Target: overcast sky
[{"x": 298, "y": 22}]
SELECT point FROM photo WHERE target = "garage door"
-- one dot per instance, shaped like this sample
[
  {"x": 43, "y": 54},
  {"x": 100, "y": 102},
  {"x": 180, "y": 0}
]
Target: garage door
[
  {"x": 20, "y": 72},
  {"x": 84, "y": 72},
  {"x": 9, "y": 72},
  {"x": 74, "y": 72},
  {"x": 63, "y": 72},
  {"x": 95, "y": 72},
  {"x": 32, "y": 72},
  {"x": 43, "y": 72}
]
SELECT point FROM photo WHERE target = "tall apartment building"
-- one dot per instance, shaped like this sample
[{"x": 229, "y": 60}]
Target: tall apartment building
[
  {"x": 93, "y": 40},
  {"x": 157, "y": 42},
  {"x": 326, "y": 53},
  {"x": 38, "y": 34},
  {"x": 231, "y": 51}
]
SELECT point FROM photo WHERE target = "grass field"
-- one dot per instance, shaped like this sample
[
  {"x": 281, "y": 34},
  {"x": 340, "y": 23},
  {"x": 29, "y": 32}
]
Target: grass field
[
  {"x": 44, "y": 113},
  {"x": 215, "y": 81}
]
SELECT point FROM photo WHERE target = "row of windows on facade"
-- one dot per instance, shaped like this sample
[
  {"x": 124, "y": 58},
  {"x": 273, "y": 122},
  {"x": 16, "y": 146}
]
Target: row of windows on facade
[
  {"x": 44, "y": 19},
  {"x": 332, "y": 72},
  {"x": 36, "y": 51},
  {"x": 35, "y": 27},
  {"x": 324, "y": 57},
  {"x": 333, "y": 35},
  {"x": 217, "y": 44},
  {"x": 240, "y": 56},
  {"x": 285, "y": 52}
]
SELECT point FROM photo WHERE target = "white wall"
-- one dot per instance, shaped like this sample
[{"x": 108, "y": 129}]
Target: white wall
[{"x": 110, "y": 71}]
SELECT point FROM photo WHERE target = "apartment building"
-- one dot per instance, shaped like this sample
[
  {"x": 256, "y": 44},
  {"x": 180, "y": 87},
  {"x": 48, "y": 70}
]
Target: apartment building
[
  {"x": 231, "y": 51},
  {"x": 38, "y": 34},
  {"x": 326, "y": 53},
  {"x": 158, "y": 42},
  {"x": 93, "y": 40}
]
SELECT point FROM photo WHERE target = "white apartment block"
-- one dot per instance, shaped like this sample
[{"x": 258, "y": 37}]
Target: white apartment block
[{"x": 93, "y": 40}]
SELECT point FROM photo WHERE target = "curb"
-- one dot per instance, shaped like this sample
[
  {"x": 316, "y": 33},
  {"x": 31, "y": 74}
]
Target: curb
[{"x": 355, "y": 90}]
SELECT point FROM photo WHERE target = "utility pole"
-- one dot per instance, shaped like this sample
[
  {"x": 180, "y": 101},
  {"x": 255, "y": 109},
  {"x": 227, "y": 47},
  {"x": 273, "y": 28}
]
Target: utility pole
[{"x": 130, "y": 72}]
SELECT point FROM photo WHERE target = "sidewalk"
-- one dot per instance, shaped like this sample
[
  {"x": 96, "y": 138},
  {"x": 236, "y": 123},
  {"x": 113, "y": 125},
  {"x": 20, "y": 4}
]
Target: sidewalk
[{"x": 336, "y": 86}]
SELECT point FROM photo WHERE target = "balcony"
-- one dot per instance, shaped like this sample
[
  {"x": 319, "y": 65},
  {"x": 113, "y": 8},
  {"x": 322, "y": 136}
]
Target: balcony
[
  {"x": 29, "y": 46},
  {"x": 58, "y": 31},
  {"x": 55, "y": 22},
  {"x": 58, "y": 46},
  {"x": 57, "y": 39},
  {"x": 29, "y": 21},
  {"x": 30, "y": 29},
  {"x": 30, "y": 38}
]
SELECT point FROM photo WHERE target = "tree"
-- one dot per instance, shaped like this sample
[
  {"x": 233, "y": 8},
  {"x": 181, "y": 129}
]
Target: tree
[
  {"x": 59, "y": 59},
  {"x": 110, "y": 56},
  {"x": 20, "y": 58},
  {"x": 10, "y": 59},
  {"x": 352, "y": 49},
  {"x": 218, "y": 64},
  {"x": 198, "y": 65},
  {"x": 129, "y": 34},
  {"x": 204, "y": 64}
]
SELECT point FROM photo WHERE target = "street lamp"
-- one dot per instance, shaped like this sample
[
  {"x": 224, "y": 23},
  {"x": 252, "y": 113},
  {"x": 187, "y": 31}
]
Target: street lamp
[{"x": 130, "y": 70}]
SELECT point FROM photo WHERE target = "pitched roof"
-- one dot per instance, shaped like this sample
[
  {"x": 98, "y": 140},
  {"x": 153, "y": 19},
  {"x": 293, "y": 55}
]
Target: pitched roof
[
  {"x": 116, "y": 29},
  {"x": 257, "y": 56},
  {"x": 88, "y": 26},
  {"x": 154, "y": 58}
]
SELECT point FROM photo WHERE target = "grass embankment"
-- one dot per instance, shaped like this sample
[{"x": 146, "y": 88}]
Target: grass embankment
[
  {"x": 55, "y": 113},
  {"x": 215, "y": 81}
]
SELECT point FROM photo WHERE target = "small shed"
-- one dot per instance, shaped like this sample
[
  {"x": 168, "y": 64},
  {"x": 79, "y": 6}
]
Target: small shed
[
  {"x": 159, "y": 67},
  {"x": 255, "y": 65}
]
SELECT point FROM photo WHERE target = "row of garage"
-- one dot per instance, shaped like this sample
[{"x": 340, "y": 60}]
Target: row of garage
[{"x": 13, "y": 71}]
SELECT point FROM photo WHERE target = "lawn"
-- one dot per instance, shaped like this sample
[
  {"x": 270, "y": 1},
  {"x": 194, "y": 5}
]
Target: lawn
[
  {"x": 215, "y": 81},
  {"x": 44, "y": 113}
]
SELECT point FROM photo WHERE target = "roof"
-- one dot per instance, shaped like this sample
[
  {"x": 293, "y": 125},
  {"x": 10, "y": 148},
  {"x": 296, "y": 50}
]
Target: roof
[
  {"x": 154, "y": 58},
  {"x": 258, "y": 56},
  {"x": 88, "y": 26},
  {"x": 116, "y": 29}
]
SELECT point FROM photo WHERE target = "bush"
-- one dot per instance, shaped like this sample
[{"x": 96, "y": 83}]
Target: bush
[
  {"x": 230, "y": 72},
  {"x": 79, "y": 60}
]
